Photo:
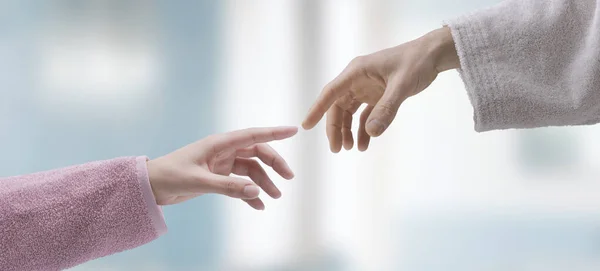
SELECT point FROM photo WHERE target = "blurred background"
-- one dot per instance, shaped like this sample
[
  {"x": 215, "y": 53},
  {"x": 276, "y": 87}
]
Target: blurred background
[{"x": 90, "y": 80}]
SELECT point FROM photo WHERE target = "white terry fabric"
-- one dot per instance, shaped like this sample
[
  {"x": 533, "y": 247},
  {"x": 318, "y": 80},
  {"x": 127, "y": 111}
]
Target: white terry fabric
[{"x": 531, "y": 63}]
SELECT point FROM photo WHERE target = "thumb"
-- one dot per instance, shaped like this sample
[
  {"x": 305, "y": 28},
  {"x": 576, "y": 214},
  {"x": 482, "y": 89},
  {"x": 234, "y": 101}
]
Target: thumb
[
  {"x": 386, "y": 108},
  {"x": 233, "y": 187}
]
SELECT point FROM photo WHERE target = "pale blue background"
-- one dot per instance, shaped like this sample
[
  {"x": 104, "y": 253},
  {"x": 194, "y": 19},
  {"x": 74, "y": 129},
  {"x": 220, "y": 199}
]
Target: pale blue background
[{"x": 34, "y": 140}]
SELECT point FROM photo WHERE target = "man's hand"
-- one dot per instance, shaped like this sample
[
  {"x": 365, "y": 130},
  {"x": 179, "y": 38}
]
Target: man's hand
[
  {"x": 204, "y": 167},
  {"x": 382, "y": 80}
]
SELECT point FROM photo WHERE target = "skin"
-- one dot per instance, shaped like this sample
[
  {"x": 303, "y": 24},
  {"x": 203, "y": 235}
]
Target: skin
[
  {"x": 382, "y": 81},
  {"x": 206, "y": 165}
]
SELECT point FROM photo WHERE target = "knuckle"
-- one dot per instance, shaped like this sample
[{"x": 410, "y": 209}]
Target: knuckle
[
  {"x": 230, "y": 189},
  {"x": 333, "y": 127},
  {"x": 209, "y": 139},
  {"x": 387, "y": 109},
  {"x": 332, "y": 88},
  {"x": 247, "y": 130},
  {"x": 358, "y": 62},
  {"x": 347, "y": 125},
  {"x": 360, "y": 65}
]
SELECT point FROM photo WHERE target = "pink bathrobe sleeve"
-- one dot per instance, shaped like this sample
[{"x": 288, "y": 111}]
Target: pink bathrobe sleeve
[{"x": 61, "y": 218}]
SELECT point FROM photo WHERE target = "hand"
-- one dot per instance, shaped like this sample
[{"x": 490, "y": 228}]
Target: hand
[
  {"x": 382, "y": 80},
  {"x": 204, "y": 167}
]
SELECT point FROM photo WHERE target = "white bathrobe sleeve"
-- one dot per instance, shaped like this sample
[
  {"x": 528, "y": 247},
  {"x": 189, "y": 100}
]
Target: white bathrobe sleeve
[{"x": 531, "y": 63}]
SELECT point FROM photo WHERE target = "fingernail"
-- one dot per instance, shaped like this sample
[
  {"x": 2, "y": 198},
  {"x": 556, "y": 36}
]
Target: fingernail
[
  {"x": 251, "y": 191},
  {"x": 376, "y": 127}
]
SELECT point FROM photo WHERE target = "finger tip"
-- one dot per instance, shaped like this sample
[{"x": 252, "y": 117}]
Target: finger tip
[
  {"x": 375, "y": 127},
  {"x": 335, "y": 147},
  {"x": 362, "y": 147},
  {"x": 373, "y": 133},
  {"x": 305, "y": 126},
  {"x": 286, "y": 172}
]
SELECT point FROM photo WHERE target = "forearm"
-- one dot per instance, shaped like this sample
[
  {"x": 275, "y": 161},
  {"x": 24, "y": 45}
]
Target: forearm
[{"x": 57, "y": 219}]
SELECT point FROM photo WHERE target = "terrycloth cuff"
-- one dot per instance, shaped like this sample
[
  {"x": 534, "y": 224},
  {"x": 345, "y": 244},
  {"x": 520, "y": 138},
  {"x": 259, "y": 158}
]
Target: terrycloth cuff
[
  {"x": 155, "y": 212},
  {"x": 477, "y": 70}
]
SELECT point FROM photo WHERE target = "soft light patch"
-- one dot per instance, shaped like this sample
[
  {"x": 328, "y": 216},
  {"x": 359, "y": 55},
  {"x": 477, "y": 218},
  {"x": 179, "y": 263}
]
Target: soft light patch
[{"x": 96, "y": 70}]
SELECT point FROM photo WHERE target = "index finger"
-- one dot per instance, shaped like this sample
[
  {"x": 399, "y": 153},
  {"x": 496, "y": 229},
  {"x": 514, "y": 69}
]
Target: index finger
[
  {"x": 331, "y": 92},
  {"x": 244, "y": 138}
]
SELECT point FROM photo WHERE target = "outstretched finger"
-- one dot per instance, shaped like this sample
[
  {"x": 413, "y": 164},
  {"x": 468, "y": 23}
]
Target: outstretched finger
[
  {"x": 244, "y": 138},
  {"x": 337, "y": 88}
]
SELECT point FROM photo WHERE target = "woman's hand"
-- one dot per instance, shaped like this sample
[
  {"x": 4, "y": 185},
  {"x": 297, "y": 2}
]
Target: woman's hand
[
  {"x": 204, "y": 167},
  {"x": 382, "y": 80}
]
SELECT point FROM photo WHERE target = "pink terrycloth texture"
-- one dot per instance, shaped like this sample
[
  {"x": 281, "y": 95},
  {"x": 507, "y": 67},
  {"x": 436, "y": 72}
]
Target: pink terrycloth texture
[{"x": 61, "y": 218}]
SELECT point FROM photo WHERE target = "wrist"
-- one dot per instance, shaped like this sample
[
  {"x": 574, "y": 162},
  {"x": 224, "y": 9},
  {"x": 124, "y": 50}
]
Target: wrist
[
  {"x": 154, "y": 211},
  {"x": 152, "y": 175},
  {"x": 442, "y": 49}
]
